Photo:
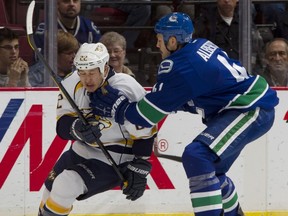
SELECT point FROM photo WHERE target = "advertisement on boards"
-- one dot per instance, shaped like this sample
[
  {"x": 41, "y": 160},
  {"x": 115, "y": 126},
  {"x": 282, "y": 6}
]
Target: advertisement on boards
[{"x": 30, "y": 148}]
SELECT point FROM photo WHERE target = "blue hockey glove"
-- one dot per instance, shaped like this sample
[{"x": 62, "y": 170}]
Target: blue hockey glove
[
  {"x": 85, "y": 133},
  {"x": 135, "y": 174},
  {"x": 109, "y": 102}
]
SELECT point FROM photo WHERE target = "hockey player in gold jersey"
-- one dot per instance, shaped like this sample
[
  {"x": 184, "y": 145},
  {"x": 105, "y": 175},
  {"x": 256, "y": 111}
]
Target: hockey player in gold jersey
[{"x": 83, "y": 170}]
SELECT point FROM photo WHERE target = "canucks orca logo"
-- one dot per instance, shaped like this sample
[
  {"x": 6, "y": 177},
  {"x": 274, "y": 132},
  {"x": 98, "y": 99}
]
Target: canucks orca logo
[
  {"x": 165, "y": 66},
  {"x": 173, "y": 18}
]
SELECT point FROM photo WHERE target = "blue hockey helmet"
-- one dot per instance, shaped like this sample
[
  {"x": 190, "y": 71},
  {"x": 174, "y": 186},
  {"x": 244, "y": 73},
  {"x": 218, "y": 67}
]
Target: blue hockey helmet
[{"x": 175, "y": 24}]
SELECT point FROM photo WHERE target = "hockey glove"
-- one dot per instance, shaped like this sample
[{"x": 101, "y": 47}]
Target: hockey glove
[
  {"x": 109, "y": 102},
  {"x": 85, "y": 133},
  {"x": 135, "y": 174}
]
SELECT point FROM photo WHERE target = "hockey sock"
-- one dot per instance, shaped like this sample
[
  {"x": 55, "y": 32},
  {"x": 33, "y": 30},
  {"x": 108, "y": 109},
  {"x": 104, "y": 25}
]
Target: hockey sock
[
  {"x": 67, "y": 186},
  {"x": 230, "y": 197},
  {"x": 206, "y": 195},
  {"x": 204, "y": 186},
  {"x": 53, "y": 209}
]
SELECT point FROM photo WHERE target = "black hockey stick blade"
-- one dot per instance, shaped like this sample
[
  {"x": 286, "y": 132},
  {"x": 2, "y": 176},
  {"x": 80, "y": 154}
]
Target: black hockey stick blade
[{"x": 29, "y": 29}]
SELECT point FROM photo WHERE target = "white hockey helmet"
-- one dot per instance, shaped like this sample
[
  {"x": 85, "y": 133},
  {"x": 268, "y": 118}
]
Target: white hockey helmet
[{"x": 90, "y": 56}]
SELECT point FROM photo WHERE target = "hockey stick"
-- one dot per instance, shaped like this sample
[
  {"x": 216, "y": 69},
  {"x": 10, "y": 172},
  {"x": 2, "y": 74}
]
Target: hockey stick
[
  {"x": 29, "y": 29},
  {"x": 157, "y": 153}
]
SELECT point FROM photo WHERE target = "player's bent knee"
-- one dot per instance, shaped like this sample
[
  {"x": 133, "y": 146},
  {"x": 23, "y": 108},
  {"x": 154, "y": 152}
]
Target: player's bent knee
[
  {"x": 198, "y": 158},
  {"x": 67, "y": 186},
  {"x": 198, "y": 151}
]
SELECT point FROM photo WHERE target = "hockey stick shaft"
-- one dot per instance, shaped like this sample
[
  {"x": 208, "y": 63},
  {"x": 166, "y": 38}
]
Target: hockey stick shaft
[
  {"x": 166, "y": 156},
  {"x": 29, "y": 29}
]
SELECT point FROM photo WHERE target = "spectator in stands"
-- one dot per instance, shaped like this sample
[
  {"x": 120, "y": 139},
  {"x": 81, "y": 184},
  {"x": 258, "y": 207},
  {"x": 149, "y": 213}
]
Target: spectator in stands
[
  {"x": 13, "y": 69},
  {"x": 221, "y": 26},
  {"x": 281, "y": 29},
  {"x": 67, "y": 46},
  {"x": 138, "y": 15},
  {"x": 269, "y": 16},
  {"x": 116, "y": 45},
  {"x": 70, "y": 21},
  {"x": 276, "y": 56},
  {"x": 178, "y": 5},
  {"x": 268, "y": 11}
]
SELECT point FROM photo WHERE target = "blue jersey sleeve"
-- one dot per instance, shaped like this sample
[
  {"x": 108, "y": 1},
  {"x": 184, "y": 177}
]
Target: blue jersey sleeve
[{"x": 201, "y": 78}]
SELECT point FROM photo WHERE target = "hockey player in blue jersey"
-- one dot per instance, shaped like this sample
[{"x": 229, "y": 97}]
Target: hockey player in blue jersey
[{"x": 198, "y": 77}]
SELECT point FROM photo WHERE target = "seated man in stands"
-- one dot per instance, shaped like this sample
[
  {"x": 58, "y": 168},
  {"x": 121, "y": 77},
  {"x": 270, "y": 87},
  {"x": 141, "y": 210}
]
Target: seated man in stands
[
  {"x": 276, "y": 56},
  {"x": 67, "y": 46},
  {"x": 13, "y": 69},
  {"x": 116, "y": 45},
  {"x": 220, "y": 24},
  {"x": 70, "y": 21}
]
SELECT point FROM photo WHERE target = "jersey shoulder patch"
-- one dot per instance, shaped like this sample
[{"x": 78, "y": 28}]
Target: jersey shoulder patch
[{"x": 165, "y": 66}]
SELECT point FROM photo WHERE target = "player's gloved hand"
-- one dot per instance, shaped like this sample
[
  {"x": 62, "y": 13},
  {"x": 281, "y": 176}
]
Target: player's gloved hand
[
  {"x": 135, "y": 174},
  {"x": 109, "y": 102},
  {"x": 85, "y": 133}
]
